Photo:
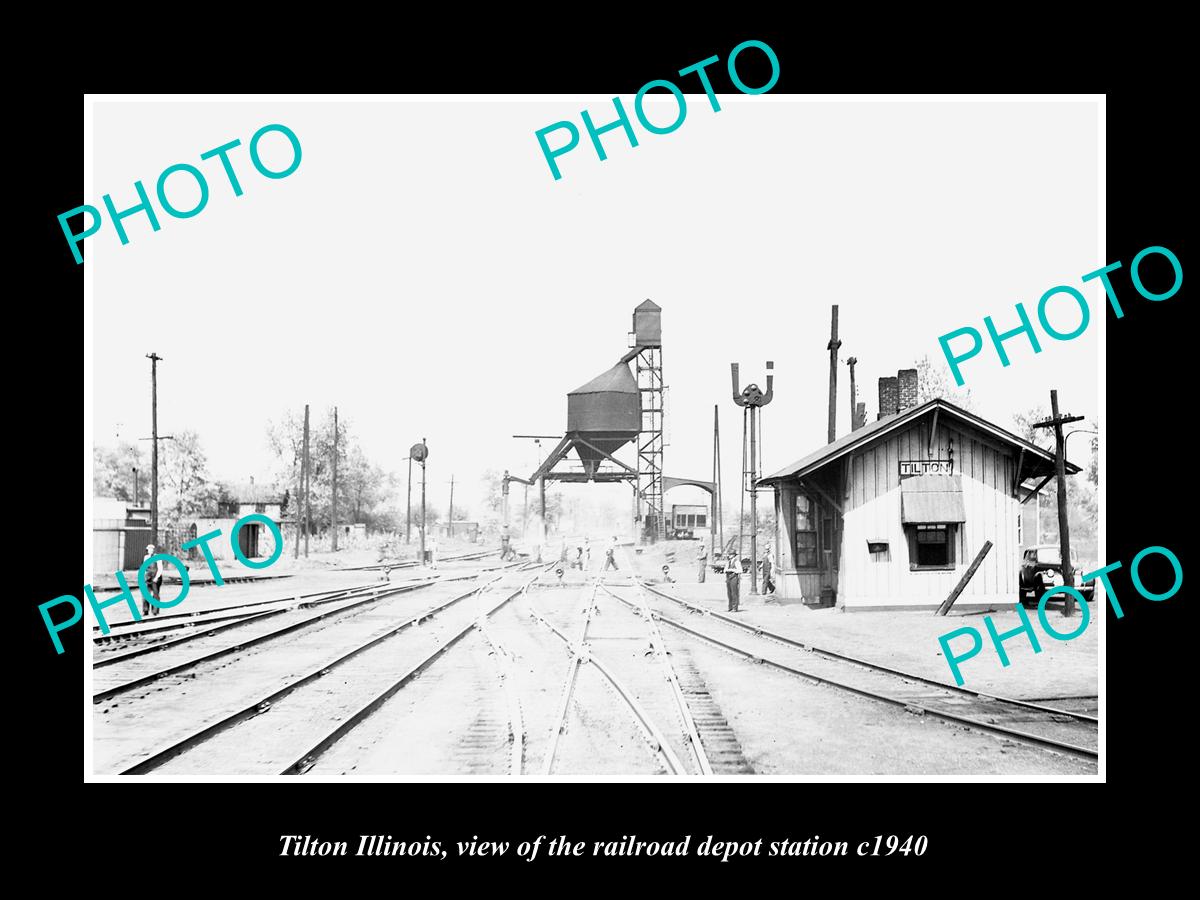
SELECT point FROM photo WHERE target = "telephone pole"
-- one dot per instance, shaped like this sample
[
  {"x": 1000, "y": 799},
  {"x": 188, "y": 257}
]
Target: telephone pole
[
  {"x": 833, "y": 346},
  {"x": 715, "y": 523},
  {"x": 408, "y": 513},
  {"x": 424, "y": 454},
  {"x": 154, "y": 358},
  {"x": 852, "y": 362},
  {"x": 450, "y": 515},
  {"x": 137, "y": 494},
  {"x": 298, "y": 512},
  {"x": 307, "y": 485},
  {"x": 333, "y": 501},
  {"x": 1064, "y": 532}
]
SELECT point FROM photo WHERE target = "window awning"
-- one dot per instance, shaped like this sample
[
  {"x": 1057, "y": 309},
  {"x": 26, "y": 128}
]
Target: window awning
[{"x": 931, "y": 500}]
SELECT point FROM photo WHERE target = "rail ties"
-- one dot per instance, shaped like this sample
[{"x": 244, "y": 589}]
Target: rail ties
[
  {"x": 658, "y": 648},
  {"x": 580, "y": 654},
  {"x": 138, "y": 627},
  {"x": 352, "y": 602},
  {"x": 721, "y": 743},
  {"x": 1058, "y": 730},
  {"x": 306, "y": 760},
  {"x": 260, "y": 705},
  {"x": 515, "y": 724}
]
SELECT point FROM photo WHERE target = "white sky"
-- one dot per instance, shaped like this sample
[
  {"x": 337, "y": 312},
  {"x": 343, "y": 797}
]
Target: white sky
[{"x": 423, "y": 271}]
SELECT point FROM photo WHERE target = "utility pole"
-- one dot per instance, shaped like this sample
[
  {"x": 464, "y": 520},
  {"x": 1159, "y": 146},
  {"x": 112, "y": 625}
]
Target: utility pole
[
  {"x": 852, "y": 362},
  {"x": 333, "y": 499},
  {"x": 450, "y": 515},
  {"x": 715, "y": 524},
  {"x": 424, "y": 453},
  {"x": 307, "y": 466},
  {"x": 154, "y": 358},
  {"x": 408, "y": 512},
  {"x": 298, "y": 512},
  {"x": 537, "y": 442},
  {"x": 833, "y": 346},
  {"x": 137, "y": 494},
  {"x": 1064, "y": 532}
]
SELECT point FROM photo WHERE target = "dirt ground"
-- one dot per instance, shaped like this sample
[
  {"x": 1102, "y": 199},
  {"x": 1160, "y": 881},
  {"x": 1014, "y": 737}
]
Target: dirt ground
[
  {"x": 454, "y": 718},
  {"x": 908, "y": 640}
]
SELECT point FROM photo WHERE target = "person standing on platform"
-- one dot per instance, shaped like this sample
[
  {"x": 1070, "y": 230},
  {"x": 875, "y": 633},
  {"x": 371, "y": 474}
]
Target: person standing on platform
[
  {"x": 505, "y": 544},
  {"x": 702, "y": 560},
  {"x": 610, "y": 556},
  {"x": 154, "y": 580},
  {"x": 587, "y": 555},
  {"x": 768, "y": 572},
  {"x": 433, "y": 552},
  {"x": 733, "y": 580}
]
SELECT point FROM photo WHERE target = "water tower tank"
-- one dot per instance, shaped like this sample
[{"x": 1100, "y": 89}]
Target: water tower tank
[
  {"x": 606, "y": 412},
  {"x": 647, "y": 324}
]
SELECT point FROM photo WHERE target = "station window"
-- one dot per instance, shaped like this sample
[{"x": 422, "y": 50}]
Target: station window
[
  {"x": 931, "y": 546},
  {"x": 806, "y": 532},
  {"x": 701, "y": 521}
]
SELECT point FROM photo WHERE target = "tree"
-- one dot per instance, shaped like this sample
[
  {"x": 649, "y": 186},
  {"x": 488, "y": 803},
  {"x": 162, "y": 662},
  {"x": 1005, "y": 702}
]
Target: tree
[
  {"x": 933, "y": 381},
  {"x": 493, "y": 497},
  {"x": 367, "y": 490},
  {"x": 186, "y": 488},
  {"x": 112, "y": 472},
  {"x": 364, "y": 489},
  {"x": 286, "y": 440},
  {"x": 1082, "y": 492}
]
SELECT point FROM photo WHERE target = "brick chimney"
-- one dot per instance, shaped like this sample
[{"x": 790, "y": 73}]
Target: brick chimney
[
  {"x": 889, "y": 396},
  {"x": 908, "y": 388}
]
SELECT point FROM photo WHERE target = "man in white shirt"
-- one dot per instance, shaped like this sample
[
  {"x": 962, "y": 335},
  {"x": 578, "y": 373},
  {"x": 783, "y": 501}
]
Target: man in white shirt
[
  {"x": 733, "y": 579},
  {"x": 702, "y": 560}
]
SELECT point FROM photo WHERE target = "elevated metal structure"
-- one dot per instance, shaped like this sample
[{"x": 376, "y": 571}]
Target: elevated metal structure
[
  {"x": 617, "y": 407},
  {"x": 647, "y": 353}
]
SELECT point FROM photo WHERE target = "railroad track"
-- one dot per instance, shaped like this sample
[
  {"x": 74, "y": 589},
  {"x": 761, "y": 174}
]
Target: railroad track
[
  {"x": 248, "y": 740},
  {"x": 305, "y": 761},
  {"x": 665, "y": 696},
  {"x": 190, "y": 651},
  {"x": 139, "y": 673},
  {"x": 154, "y": 637},
  {"x": 714, "y": 744},
  {"x": 206, "y": 582},
  {"x": 151, "y": 633},
  {"x": 122, "y": 630},
  {"x": 1049, "y": 728},
  {"x": 413, "y": 563}
]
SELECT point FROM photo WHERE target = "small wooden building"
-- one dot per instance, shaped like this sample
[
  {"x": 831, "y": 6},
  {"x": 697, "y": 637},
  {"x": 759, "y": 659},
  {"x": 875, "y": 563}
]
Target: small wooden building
[{"x": 892, "y": 514}]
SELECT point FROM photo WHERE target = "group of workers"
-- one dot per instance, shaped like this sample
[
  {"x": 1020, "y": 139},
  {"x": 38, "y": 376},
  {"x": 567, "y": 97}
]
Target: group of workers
[
  {"x": 583, "y": 562},
  {"x": 583, "y": 553},
  {"x": 733, "y": 573}
]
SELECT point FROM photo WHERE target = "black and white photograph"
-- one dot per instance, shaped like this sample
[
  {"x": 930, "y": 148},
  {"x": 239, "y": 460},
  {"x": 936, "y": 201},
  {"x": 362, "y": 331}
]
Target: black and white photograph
[{"x": 483, "y": 438}]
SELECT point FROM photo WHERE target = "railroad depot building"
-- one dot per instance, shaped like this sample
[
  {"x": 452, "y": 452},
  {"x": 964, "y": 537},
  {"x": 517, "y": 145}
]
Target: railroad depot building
[{"x": 892, "y": 514}]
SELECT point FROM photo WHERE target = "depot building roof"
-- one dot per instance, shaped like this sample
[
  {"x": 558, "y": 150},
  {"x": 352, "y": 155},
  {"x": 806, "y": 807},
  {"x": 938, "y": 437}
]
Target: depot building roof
[{"x": 1038, "y": 461}]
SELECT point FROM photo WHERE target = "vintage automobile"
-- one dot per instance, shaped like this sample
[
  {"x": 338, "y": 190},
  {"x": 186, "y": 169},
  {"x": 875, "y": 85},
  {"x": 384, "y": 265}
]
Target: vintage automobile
[
  {"x": 1041, "y": 570},
  {"x": 718, "y": 564}
]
